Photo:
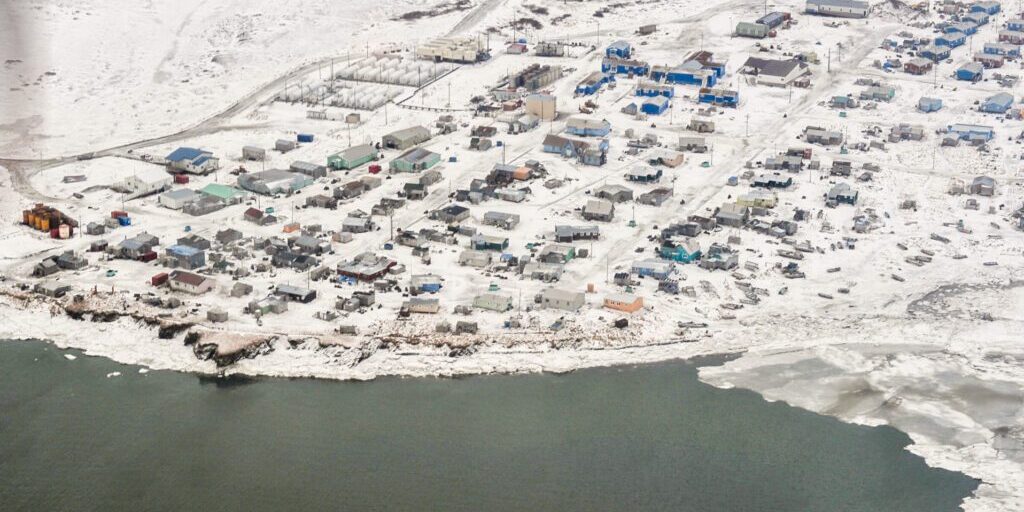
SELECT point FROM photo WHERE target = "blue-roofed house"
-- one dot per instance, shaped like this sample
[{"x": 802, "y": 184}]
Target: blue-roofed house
[
  {"x": 934, "y": 52},
  {"x": 1016, "y": 24},
  {"x": 624, "y": 66},
  {"x": 951, "y": 40},
  {"x": 1003, "y": 49},
  {"x": 657, "y": 269},
  {"x": 926, "y": 104},
  {"x": 698, "y": 69},
  {"x": 187, "y": 257},
  {"x": 998, "y": 103},
  {"x": 655, "y": 105},
  {"x": 723, "y": 97},
  {"x": 620, "y": 49},
  {"x": 592, "y": 83},
  {"x": 988, "y": 7},
  {"x": 971, "y": 72},
  {"x": 192, "y": 160}
]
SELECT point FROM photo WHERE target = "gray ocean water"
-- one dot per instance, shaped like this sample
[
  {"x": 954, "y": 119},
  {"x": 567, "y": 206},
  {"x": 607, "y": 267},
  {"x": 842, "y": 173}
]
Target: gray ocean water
[{"x": 635, "y": 438}]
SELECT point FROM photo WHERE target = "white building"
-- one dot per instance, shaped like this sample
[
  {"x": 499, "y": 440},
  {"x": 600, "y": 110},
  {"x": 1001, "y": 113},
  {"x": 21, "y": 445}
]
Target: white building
[
  {"x": 176, "y": 199},
  {"x": 147, "y": 181}
]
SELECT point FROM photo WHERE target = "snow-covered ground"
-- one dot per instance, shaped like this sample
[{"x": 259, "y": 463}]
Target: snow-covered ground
[{"x": 934, "y": 354}]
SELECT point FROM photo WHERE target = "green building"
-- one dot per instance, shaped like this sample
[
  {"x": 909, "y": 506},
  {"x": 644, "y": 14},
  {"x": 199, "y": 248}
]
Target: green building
[{"x": 352, "y": 157}]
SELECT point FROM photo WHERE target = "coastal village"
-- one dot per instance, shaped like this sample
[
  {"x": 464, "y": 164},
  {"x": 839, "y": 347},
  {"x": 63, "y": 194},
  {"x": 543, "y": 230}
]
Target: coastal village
[{"x": 626, "y": 186}]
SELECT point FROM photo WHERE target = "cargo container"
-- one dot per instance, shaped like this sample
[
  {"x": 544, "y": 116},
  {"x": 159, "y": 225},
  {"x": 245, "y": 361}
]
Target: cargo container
[
  {"x": 158, "y": 279},
  {"x": 305, "y": 137},
  {"x": 147, "y": 257},
  {"x": 181, "y": 179},
  {"x": 375, "y": 169},
  {"x": 124, "y": 221},
  {"x": 118, "y": 213}
]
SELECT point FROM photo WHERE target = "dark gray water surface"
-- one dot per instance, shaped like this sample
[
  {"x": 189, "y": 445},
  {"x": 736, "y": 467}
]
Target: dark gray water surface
[{"x": 638, "y": 438}]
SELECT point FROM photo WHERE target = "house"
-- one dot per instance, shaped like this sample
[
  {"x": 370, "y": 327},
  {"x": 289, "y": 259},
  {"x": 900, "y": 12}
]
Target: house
[
  {"x": 701, "y": 125},
  {"x": 549, "y": 49},
  {"x": 918, "y": 66},
  {"x": 555, "y": 298},
  {"x": 227, "y": 236},
  {"x": 1011, "y": 51},
  {"x": 625, "y": 302},
  {"x": 502, "y": 220},
  {"x": 475, "y": 258},
  {"x": 619, "y": 66},
  {"x": 971, "y": 132},
  {"x": 721, "y": 97},
  {"x": 356, "y": 224},
  {"x": 614, "y": 193},
  {"x": 988, "y": 7},
  {"x": 965, "y": 27},
  {"x": 693, "y": 144},
  {"x": 542, "y": 271},
  {"x": 841, "y": 193},
  {"x": 177, "y": 199},
  {"x": 750, "y": 29},
  {"x": 591, "y": 83},
  {"x": 926, "y": 104},
  {"x": 655, "y": 105},
  {"x": 649, "y": 88},
  {"x": 621, "y": 49},
  {"x": 989, "y": 61},
  {"x": 599, "y": 210},
  {"x": 655, "y": 197},
  {"x": 196, "y": 241},
  {"x": 322, "y": 201},
  {"x": 720, "y": 257},
  {"x": 772, "y": 180},
  {"x": 970, "y": 72},
  {"x": 684, "y": 251},
  {"x": 253, "y": 153},
  {"x": 656, "y": 269},
  {"x": 366, "y": 267},
  {"x": 587, "y": 127},
  {"x": 774, "y": 72},
  {"x": 644, "y": 175},
  {"x": 187, "y": 257},
  {"x": 146, "y": 181},
  {"x": 732, "y": 215},
  {"x": 759, "y": 198},
  {"x": 291, "y": 293},
  {"x": 52, "y": 289},
  {"x": 998, "y": 103},
  {"x": 352, "y": 157},
  {"x": 582, "y": 150},
  {"x": 878, "y": 93},
  {"x": 481, "y": 242},
  {"x": 951, "y": 40},
  {"x": 258, "y": 217},
  {"x": 934, "y": 52},
  {"x": 425, "y": 283},
  {"x": 195, "y": 284},
  {"x": 309, "y": 169},
  {"x": 406, "y": 138},
  {"x": 450, "y": 214},
  {"x": 816, "y": 135},
  {"x": 574, "y": 233},
  {"x": 415, "y": 160},
  {"x": 227, "y": 194},
  {"x": 557, "y": 253},
  {"x": 983, "y": 186},
  {"x": 493, "y": 302},
  {"x": 905, "y": 131},
  {"x": 1016, "y": 24},
  {"x": 274, "y": 181},
  {"x": 838, "y": 8},
  {"x": 192, "y": 160},
  {"x": 1012, "y": 36}
]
